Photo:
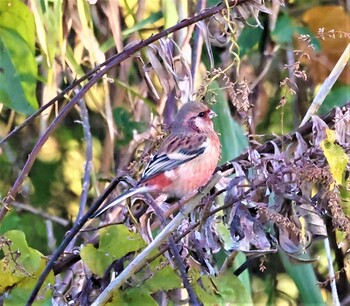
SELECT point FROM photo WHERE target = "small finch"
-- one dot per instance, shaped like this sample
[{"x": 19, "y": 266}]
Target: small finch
[{"x": 184, "y": 162}]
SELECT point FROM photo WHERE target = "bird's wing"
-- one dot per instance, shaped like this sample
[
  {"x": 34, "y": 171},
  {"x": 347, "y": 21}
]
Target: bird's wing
[{"x": 175, "y": 151}]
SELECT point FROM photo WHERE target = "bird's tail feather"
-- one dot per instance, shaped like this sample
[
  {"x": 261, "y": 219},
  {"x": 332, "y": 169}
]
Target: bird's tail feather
[{"x": 119, "y": 199}]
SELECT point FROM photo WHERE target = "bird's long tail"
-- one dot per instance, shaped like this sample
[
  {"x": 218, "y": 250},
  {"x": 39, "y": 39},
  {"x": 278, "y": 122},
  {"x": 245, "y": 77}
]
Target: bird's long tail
[{"x": 119, "y": 199}]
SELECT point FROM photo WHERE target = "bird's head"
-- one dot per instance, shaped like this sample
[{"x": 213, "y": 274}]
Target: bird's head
[{"x": 194, "y": 117}]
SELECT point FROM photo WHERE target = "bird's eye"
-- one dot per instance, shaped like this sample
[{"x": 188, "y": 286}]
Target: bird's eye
[{"x": 201, "y": 114}]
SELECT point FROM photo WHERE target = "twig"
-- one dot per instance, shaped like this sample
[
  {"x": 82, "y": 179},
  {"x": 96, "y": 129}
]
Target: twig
[
  {"x": 38, "y": 212},
  {"x": 51, "y": 240},
  {"x": 268, "y": 61},
  {"x": 88, "y": 165},
  {"x": 174, "y": 249},
  {"x": 293, "y": 81},
  {"x": 197, "y": 44},
  {"x": 156, "y": 243}
]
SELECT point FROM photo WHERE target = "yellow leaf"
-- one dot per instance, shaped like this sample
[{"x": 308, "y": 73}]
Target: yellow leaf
[{"x": 335, "y": 155}]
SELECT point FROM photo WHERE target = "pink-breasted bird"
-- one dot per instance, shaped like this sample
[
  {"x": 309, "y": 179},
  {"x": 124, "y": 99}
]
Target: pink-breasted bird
[{"x": 184, "y": 162}]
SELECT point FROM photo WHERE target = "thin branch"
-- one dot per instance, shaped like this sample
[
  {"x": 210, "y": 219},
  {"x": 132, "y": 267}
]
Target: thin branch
[
  {"x": 174, "y": 249},
  {"x": 266, "y": 68},
  {"x": 51, "y": 240},
  {"x": 38, "y": 212},
  {"x": 197, "y": 44},
  {"x": 292, "y": 77},
  {"x": 88, "y": 166}
]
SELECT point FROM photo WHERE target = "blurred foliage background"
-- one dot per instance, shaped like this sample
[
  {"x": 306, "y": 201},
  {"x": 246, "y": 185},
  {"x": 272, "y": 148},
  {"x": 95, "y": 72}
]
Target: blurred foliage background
[{"x": 48, "y": 44}]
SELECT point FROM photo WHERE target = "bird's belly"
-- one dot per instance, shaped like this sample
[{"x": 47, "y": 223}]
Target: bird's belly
[
  {"x": 189, "y": 177},
  {"x": 186, "y": 179}
]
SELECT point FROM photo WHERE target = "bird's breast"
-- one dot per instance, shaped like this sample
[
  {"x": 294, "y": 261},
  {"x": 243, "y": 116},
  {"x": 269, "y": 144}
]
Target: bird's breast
[{"x": 189, "y": 177}]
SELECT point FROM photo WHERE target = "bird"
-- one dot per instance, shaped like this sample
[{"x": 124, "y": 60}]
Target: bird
[{"x": 185, "y": 160}]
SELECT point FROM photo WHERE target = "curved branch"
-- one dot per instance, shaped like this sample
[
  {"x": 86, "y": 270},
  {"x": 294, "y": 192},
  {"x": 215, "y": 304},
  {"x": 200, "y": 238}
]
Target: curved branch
[{"x": 128, "y": 52}]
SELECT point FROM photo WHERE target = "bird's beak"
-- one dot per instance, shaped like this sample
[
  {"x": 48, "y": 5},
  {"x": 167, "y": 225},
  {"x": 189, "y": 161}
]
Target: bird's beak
[{"x": 212, "y": 114}]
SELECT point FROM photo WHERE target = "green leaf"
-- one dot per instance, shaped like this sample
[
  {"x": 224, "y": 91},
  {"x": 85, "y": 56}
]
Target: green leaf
[
  {"x": 233, "y": 142},
  {"x": 171, "y": 16},
  {"x": 143, "y": 23},
  {"x": 48, "y": 17},
  {"x": 19, "y": 295},
  {"x": 18, "y": 69},
  {"x": 11, "y": 221},
  {"x": 132, "y": 297},
  {"x": 20, "y": 268},
  {"x": 336, "y": 157},
  {"x": 96, "y": 261},
  {"x": 231, "y": 134},
  {"x": 284, "y": 30},
  {"x": 305, "y": 279},
  {"x": 126, "y": 125},
  {"x": 248, "y": 39},
  {"x": 225, "y": 236},
  {"x": 115, "y": 242},
  {"x": 205, "y": 291},
  {"x": 28, "y": 258},
  {"x": 33, "y": 226},
  {"x": 338, "y": 96},
  {"x": 155, "y": 277},
  {"x": 164, "y": 278},
  {"x": 222, "y": 290}
]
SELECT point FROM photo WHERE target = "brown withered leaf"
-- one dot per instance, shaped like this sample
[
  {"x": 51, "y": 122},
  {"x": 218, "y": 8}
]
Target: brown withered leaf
[
  {"x": 216, "y": 31},
  {"x": 247, "y": 231},
  {"x": 172, "y": 70},
  {"x": 342, "y": 126},
  {"x": 319, "y": 128},
  {"x": 314, "y": 223},
  {"x": 206, "y": 37},
  {"x": 161, "y": 71}
]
